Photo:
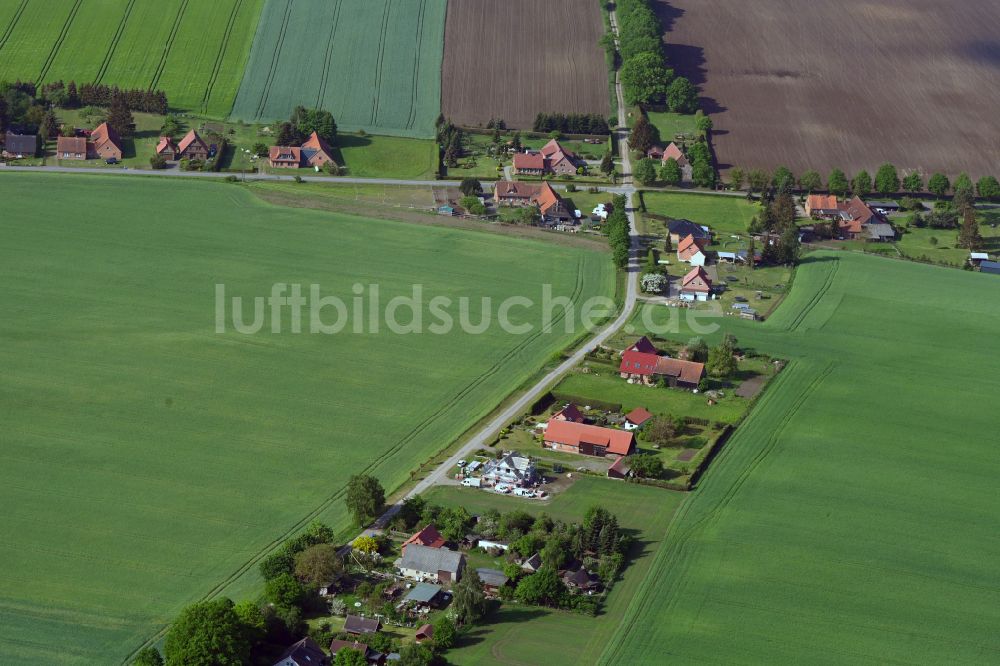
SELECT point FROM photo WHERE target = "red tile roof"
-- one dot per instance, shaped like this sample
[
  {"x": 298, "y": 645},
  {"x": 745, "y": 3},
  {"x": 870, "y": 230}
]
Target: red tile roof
[
  {"x": 541, "y": 194},
  {"x": 690, "y": 281},
  {"x": 71, "y": 144},
  {"x": 429, "y": 536},
  {"x": 189, "y": 138},
  {"x": 553, "y": 150},
  {"x": 689, "y": 246},
  {"x": 639, "y": 363},
  {"x": 618, "y": 442},
  {"x": 638, "y": 416},
  {"x": 165, "y": 143},
  {"x": 285, "y": 154},
  {"x": 860, "y": 213},
  {"x": 529, "y": 161},
  {"x": 821, "y": 202},
  {"x": 104, "y": 135},
  {"x": 673, "y": 151}
]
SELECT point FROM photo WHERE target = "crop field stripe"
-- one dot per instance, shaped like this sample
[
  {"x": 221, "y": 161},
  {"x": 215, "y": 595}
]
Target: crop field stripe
[
  {"x": 13, "y": 23},
  {"x": 114, "y": 42},
  {"x": 168, "y": 44},
  {"x": 377, "y": 88},
  {"x": 416, "y": 65},
  {"x": 402, "y": 442},
  {"x": 321, "y": 93},
  {"x": 816, "y": 298},
  {"x": 266, "y": 91},
  {"x": 58, "y": 43},
  {"x": 223, "y": 45}
]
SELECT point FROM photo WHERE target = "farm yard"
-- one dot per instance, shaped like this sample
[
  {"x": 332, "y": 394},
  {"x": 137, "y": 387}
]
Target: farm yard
[
  {"x": 149, "y": 457},
  {"x": 376, "y": 65},
  {"x": 552, "y": 62},
  {"x": 851, "y": 85},
  {"x": 190, "y": 50},
  {"x": 854, "y": 505}
]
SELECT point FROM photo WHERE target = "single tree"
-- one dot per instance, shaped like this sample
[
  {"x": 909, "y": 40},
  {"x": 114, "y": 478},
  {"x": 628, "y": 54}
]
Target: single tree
[
  {"x": 758, "y": 180},
  {"x": 722, "y": 359},
  {"x": 810, "y": 181},
  {"x": 285, "y": 591},
  {"x": 682, "y": 96},
  {"x": 783, "y": 179},
  {"x": 50, "y": 127},
  {"x": 365, "y": 498},
  {"x": 646, "y": 466},
  {"x": 350, "y": 657},
  {"x": 938, "y": 185},
  {"x": 365, "y": 544},
  {"x": 644, "y": 78},
  {"x": 988, "y": 188},
  {"x": 670, "y": 172},
  {"x": 286, "y": 135},
  {"x": 319, "y": 564},
  {"x": 208, "y": 633},
  {"x": 751, "y": 254},
  {"x": 540, "y": 588},
  {"x": 969, "y": 236},
  {"x": 148, "y": 657},
  {"x": 607, "y": 164},
  {"x": 653, "y": 283},
  {"x": 643, "y": 135},
  {"x": 837, "y": 183},
  {"x": 963, "y": 184},
  {"x": 789, "y": 246},
  {"x": 253, "y": 620},
  {"x": 120, "y": 117},
  {"x": 702, "y": 122},
  {"x": 697, "y": 350},
  {"x": 645, "y": 171},
  {"x": 703, "y": 174},
  {"x": 470, "y": 186},
  {"x": 413, "y": 654},
  {"x": 444, "y": 633},
  {"x": 468, "y": 603},
  {"x": 736, "y": 178},
  {"x": 886, "y": 179},
  {"x": 861, "y": 184},
  {"x": 528, "y": 215},
  {"x": 913, "y": 182}
]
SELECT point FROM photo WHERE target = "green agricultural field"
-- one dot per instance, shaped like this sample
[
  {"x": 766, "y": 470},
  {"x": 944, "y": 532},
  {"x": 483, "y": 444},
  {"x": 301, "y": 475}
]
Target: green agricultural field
[
  {"x": 726, "y": 215},
  {"x": 148, "y": 460},
  {"x": 528, "y": 635},
  {"x": 193, "y": 51},
  {"x": 374, "y": 64},
  {"x": 852, "y": 518}
]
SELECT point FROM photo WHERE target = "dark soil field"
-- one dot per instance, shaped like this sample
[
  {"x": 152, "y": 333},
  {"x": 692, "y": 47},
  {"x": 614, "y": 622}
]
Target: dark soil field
[
  {"x": 845, "y": 83},
  {"x": 511, "y": 59}
]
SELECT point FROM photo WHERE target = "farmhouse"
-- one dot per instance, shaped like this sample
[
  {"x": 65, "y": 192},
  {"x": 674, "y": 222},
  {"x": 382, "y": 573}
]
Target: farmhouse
[
  {"x": 71, "y": 148},
  {"x": 20, "y": 145},
  {"x": 853, "y": 220},
  {"x": 552, "y": 158},
  {"x": 306, "y": 652},
  {"x": 512, "y": 468},
  {"x": 691, "y": 250},
  {"x": 429, "y": 537},
  {"x": 492, "y": 580},
  {"x": 550, "y": 204},
  {"x": 438, "y": 564},
  {"x": 822, "y": 206},
  {"x": 315, "y": 152},
  {"x": 167, "y": 148},
  {"x": 582, "y": 581},
  {"x": 192, "y": 147},
  {"x": 642, "y": 363},
  {"x": 105, "y": 143},
  {"x": 355, "y": 624},
  {"x": 696, "y": 285},
  {"x": 678, "y": 229},
  {"x": 588, "y": 440},
  {"x": 673, "y": 151}
]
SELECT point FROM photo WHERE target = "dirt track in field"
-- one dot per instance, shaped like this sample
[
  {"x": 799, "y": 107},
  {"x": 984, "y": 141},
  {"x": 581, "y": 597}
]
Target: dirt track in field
[
  {"x": 511, "y": 59},
  {"x": 845, "y": 83}
]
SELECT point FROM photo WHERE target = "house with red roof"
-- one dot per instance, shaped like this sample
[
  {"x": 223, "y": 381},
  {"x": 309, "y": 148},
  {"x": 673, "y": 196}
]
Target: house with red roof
[
  {"x": 823, "y": 206},
  {"x": 429, "y": 536},
  {"x": 696, "y": 285},
  {"x": 551, "y": 206},
  {"x": 552, "y": 158},
  {"x": 167, "y": 148},
  {"x": 673, "y": 151},
  {"x": 285, "y": 157},
  {"x": 105, "y": 143},
  {"x": 192, "y": 147},
  {"x": 637, "y": 417},
  {"x": 588, "y": 440},
  {"x": 691, "y": 250},
  {"x": 642, "y": 363},
  {"x": 71, "y": 148}
]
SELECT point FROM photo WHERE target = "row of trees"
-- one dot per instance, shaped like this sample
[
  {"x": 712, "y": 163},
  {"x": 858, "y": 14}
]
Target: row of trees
[
  {"x": 571, "y": 123},
  {"x": 617, "y": 229},
  {"x": 887, "y": 181},
  {"x": 645, "y": 77},
  {"x": 32, "y": 110},
  {"x": 776, "y": 222},
  {"x": 449, "y": 140},
  {"x": 304, "y": 122}
]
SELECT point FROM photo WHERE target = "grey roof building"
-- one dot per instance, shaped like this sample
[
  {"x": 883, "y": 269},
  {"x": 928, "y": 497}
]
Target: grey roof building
[
  {"x": 439, "y": 564},
  {"x": 20, "y": 144},
  {"x": 306, "y": 652}
]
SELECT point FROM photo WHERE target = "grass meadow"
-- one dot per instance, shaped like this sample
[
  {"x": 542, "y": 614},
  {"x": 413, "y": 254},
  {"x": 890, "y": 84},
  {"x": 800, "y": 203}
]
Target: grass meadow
[
  {"x": 149, "y": 461},
  {"x": 529, "y": 635},
  {"x": 852, "y": 516},
  {"x": 727, "y": 216},
  {"x": 374, "y": 64},
  {"x": 191, "y": 50}
]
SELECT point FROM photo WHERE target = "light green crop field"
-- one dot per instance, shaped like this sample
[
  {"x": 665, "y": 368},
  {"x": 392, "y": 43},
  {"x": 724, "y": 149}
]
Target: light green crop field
[
  {"x": 194, "y": 51},
  {"x": 374, "y": 64},
  {"x": 529, "y": 635},
  {"x": 149, "y": 461},
  {"x": 852, "y": 518},
  {"x": 726, "y": 215}
]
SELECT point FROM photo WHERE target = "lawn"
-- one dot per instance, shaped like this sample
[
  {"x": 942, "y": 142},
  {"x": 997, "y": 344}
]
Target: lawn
[
  {"x": 917, "y": 244},
  {"x": 726, "y": 215},
  {"x": 851, "y": 516},
  {"x": 528, "y": 635},
  {"x": 376, "y": 65},
  {"x": 148, "y": 457},
  {"x": 190, "y": 50},
  {"x": 673, "y": 126}
]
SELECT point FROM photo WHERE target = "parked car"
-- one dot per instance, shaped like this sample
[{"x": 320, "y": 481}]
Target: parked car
[{"x": 461, "y": 463}]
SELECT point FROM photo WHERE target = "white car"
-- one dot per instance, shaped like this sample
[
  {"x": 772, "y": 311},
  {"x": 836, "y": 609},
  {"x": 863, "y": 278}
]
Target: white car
[
  {"x": 461, "y": 463},
  {"x": 524, "y": 492}
]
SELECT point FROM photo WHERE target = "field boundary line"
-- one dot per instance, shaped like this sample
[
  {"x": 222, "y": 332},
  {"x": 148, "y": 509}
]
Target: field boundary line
[
  {"x": 221, "y": 55},
  {"x": 13, "y": 23},
  {"x": 412, "y": 116},
  {"x": 169, "y": 44},
  {"x": 377, "y": 87},
  {"x": 321, "y": 93},
  {"x": 113, "y": 46},
  {"x": 389, "y": 453},
  {"x": 815, "y": 298},
  {"x": 54, "y": 51},
  {"x": 275, "y": 57}
]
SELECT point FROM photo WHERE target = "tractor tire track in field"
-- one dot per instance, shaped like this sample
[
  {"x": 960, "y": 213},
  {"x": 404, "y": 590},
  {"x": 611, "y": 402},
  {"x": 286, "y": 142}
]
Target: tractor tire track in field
[
  {"x": 168, "y": 45},
  {"x": 221, "y": 55},
  {"x": 816, "y": 298},
  {"x": 377, "y": 88},
  {"x": 412, "y": 116},
  {"x": 58, "y": 43},
  {"x": 275, "y": 57},
  {"x": 321, "y": 93},
  {"x": 13, "y": 23},
  {"x": 679, "y": 553},
  {"x": 395, "y": 448},
  {"x": 114, "y": 42}
]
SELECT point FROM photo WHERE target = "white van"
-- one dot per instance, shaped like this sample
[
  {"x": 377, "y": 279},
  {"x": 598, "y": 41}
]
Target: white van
[
  {"x": 524, "y": 492},
  {"x": 471, "y": 482}
]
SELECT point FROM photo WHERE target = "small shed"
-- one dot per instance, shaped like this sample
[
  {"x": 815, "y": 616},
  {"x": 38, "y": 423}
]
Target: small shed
[
  {"x": 990, "y": 267},
  {"x": 355, "y": 624},
  {"x": 424, "y": 633},
  {"x": 447, "y": 209},
  {"x": 493, "y": 579},
  {"x": 423, "y": 594}
]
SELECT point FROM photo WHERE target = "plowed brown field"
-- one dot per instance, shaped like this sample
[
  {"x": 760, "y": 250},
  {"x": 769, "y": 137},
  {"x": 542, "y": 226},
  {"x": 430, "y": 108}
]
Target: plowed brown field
[
  {"x": 845, "y": 83},
  {"x": 511, "y": 59}
]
